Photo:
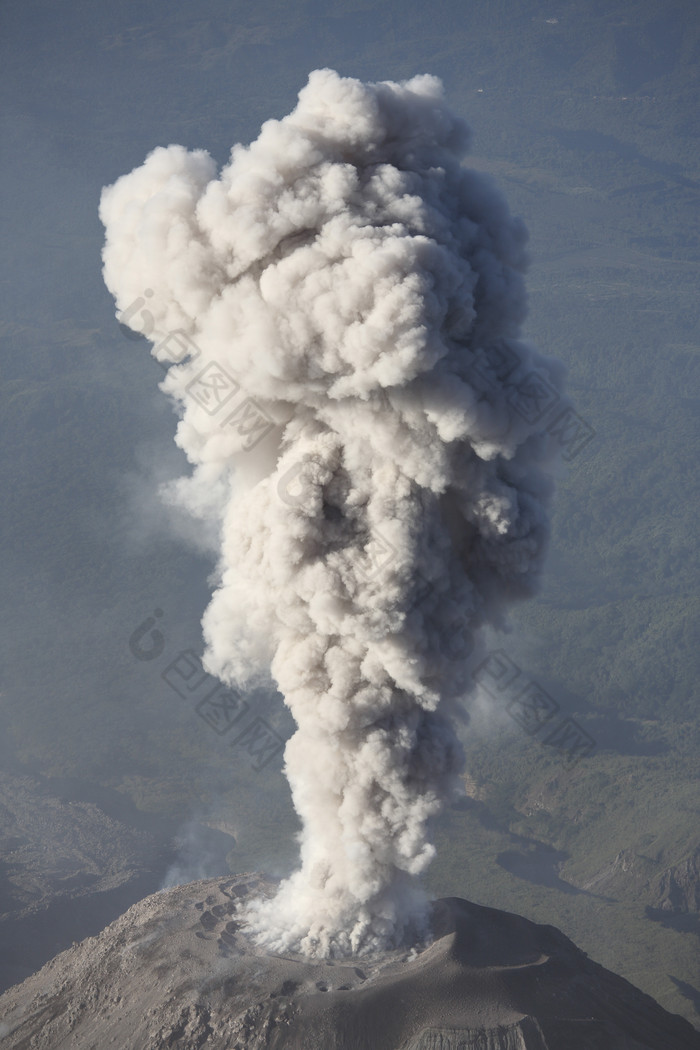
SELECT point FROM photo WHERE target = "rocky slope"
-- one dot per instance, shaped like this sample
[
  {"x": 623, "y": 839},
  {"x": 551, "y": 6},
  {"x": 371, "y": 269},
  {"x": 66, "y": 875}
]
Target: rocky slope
[
  {"x": 68, "y": 868},
  {"x": 177, "y": 970},
  {"x": 678, "y": 888}
]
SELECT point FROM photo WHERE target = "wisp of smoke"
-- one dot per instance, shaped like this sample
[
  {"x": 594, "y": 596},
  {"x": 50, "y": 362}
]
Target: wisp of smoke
[{"x": 342, "y": 305}]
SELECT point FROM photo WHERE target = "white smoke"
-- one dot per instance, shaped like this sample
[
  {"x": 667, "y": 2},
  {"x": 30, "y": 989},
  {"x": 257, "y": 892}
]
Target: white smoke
[{"x": 361, "y": 292}]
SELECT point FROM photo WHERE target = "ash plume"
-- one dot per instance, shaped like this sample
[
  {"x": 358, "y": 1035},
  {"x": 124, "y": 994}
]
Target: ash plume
[{"x": 347, "y": 281}]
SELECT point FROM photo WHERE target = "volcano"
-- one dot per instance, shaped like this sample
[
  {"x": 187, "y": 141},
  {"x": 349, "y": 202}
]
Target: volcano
[{"x": 179, "y": 970}]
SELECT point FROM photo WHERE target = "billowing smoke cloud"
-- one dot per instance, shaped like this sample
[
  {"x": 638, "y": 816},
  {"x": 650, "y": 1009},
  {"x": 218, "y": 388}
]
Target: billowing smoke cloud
[{"x": 350, "y": 298}]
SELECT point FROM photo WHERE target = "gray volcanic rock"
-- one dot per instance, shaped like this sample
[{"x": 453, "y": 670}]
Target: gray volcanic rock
[
  {"x": 177, "y": 970},
  {"x": 678, "y": 889},
  {"x": 68, "y": 867}
]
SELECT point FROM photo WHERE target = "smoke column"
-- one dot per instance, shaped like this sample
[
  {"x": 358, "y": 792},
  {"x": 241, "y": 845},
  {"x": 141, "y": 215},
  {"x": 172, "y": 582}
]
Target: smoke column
[{"x": 343, "y": 305}]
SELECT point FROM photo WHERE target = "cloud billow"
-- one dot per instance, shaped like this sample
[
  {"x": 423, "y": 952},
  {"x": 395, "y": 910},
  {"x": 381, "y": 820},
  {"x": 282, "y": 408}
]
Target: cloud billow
[{"x": 348, "y": 280}]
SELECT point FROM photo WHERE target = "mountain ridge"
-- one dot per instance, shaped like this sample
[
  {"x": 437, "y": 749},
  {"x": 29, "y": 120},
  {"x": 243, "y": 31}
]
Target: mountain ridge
[{"x": 177, "y": 970}]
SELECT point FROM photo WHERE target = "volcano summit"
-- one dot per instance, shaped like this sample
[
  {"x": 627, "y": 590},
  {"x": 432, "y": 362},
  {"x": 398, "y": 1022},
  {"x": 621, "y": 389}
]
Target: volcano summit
[{"x": 179, "y": 970}]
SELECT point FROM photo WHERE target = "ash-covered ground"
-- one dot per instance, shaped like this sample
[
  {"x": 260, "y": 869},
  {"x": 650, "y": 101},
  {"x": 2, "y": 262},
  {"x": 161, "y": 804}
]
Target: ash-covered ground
[
  {"x": 178, "y": 970},
  {"x": 72, "y": 861}
]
